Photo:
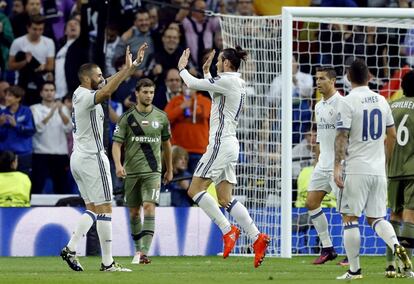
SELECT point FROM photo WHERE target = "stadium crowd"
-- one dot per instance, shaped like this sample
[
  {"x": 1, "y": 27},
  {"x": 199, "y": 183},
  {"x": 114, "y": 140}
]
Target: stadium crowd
[{"x": 42, "y": 47}]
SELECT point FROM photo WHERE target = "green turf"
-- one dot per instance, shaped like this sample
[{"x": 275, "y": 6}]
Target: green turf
[{"x": 187, "y": 270}]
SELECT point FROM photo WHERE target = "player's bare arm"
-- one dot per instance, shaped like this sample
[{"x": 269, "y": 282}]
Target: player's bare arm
[
  {"x": 207, "y": 64},
  {"x": 390, "y": 142},
  {"x": 166, "y": 146},
  {"x": 107, "y": 90},
  {"x": 341, "y": 143},
  {"x": 116, "y": 155}
]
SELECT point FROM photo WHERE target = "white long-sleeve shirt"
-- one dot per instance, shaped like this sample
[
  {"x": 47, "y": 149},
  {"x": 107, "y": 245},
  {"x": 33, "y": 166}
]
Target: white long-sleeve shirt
[
  {"x": 50, "y": 138},
  {"x": 228, "y": 92}
]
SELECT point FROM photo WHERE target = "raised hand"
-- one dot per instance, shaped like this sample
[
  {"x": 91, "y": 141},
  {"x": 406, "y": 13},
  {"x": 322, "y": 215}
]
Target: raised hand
[
  {"x": 182, "y": 63},
  {"x": 207, "y": 64},
  {"x": 128, "y": 58},
  {"x": 140, "y": 54}
]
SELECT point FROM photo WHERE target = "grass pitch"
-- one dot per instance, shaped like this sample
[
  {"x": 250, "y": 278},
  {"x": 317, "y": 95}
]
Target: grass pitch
[{"x": 187, "y": 270}]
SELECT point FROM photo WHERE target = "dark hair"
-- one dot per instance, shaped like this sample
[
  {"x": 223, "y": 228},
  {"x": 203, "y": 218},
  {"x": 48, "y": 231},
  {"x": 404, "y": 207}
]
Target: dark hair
[
  {"x": 36, "y": 19},
  {"x": 145, "y": 82},
  {"x": 6, "y": 159},
  {"x": 141, "y": 11},
  {"x": 85, "y": 70},
  {"x": 16, "y": 91},
  {"x": 407, "y": 84},
  {"x": 48, "y": 83},
  {"x": 358, "y": 72},
  {"x": 235, "y": 55},
  {"x": 330, "y": 71}
]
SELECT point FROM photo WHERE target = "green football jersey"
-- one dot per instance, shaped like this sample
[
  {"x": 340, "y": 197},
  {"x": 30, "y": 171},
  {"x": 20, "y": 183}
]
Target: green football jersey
[
  {"x": 142, "y": 135},
  {"x": 402, "y": 161}
]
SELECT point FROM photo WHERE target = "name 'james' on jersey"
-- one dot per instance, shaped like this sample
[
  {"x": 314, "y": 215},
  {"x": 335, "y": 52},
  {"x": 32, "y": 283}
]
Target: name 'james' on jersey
[
  {"x": 366, "y": 115},
  {"x": 142, "y": 135},
  {"x": 401, "y": 164},
  {"x": 87, "y": 120}
]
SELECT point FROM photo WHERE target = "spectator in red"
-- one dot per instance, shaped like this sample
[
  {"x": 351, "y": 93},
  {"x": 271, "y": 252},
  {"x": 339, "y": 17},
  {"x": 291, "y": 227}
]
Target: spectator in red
[{"x": 189, "y": 114}]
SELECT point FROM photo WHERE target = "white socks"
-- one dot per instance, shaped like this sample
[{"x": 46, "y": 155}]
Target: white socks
[
  {"x": 242, "y": 217},
  {"x": 104, "y": 228},
  {"x": 321, "y": 225},
  {"x": 85, "y": 223},
  {"x": 386, "y": 232},
  {"x": 352, "y": 243},
  {"x": 210, "y": 207}
]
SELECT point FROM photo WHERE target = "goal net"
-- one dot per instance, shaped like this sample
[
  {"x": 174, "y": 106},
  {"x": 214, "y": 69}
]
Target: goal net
[{"x": 276, "y": 129}]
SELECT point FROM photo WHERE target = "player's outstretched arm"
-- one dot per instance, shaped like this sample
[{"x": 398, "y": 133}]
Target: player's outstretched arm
[
  {"x": 210, "y": 85},
  {"x": 116, "y": 79}
]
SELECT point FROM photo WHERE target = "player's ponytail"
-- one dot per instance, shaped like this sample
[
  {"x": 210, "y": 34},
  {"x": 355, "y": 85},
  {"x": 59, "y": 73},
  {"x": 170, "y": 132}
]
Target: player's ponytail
[
  {"x": 235, "y": 56},
  {"x": 242, "y": 54}
]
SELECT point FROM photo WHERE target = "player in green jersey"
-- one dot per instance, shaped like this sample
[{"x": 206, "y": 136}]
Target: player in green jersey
[
  {"x": 143, "y": 130},
  {"x": 401, "y": 174}
]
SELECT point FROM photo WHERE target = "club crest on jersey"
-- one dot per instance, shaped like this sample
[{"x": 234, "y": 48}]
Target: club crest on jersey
[{"x": 155, "y": 124}]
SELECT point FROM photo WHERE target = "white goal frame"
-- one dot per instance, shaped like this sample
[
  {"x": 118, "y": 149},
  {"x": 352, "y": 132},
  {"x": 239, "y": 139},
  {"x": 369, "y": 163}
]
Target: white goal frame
[{"x": 289, "y": 14}]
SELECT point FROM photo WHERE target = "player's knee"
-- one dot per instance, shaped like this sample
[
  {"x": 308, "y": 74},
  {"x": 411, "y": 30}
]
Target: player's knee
[
  {"x": 133, "y": 213},
  {"x": 149, "y": 208},
  {"x": 311, "y": 204},
  {"x": 223, "y": 201}
]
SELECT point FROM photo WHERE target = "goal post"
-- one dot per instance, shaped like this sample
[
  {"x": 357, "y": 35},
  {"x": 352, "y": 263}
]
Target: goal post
[{"x": 266, "y": 126}]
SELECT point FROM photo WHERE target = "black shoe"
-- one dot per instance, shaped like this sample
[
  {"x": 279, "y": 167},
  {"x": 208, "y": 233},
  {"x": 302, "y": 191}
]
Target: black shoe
[{"x": 71, "y": 259}]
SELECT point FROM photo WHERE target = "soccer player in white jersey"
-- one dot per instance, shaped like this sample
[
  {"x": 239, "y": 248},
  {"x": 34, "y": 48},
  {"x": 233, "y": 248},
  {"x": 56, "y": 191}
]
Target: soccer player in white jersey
[
  {"x": 89, "y": 163},
  {"x": 364, "y": 120},
  {"x": 217, "y": 165},
  {"x": 322, "y": 181}
]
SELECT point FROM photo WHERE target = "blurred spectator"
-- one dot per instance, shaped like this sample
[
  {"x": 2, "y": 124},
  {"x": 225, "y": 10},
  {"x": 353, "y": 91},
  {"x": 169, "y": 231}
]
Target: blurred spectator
[
  {"x": 153, "y": 17},
  {"x": 135, "y": 36},
  {"x": 167, "y": 56},
  {"x": 50, "y": 145},
  {"x": 112, "y": 41},
  {"x": 70, "y": 56},
  {"x": 14, "y": 185},
  {"x": 171, "y": 88},
  {"x": 3, "y": 86},
  {"x": 6, "y": 39},
  {"x": 123, "y": 13},
  {"x": 189, "y": 115},
  {"x": 302, "y": 90},
  {"x": 245, "y": 8},
  {"x": 339, "y": 3},
  {"x": 199, "y": 31},
  {"x": 125, "y": 94},
  {"x": 178, "y": 189},
  {"x": 33, "y": 56},
  {"x": 17, "y": 128},
  {"x": 20, "y": 22},
  {"x": 303, "y": 154},
  {"x": 177, "y": 13},
  {"x": 63, "y": 13},
  {"x": 17, "y": 8}
]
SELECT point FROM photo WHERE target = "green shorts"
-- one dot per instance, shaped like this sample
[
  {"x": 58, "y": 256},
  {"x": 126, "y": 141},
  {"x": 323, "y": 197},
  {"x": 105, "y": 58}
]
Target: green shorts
[
  {"x": 401, "y": 195},
  {"x": 142, "y": 188}
]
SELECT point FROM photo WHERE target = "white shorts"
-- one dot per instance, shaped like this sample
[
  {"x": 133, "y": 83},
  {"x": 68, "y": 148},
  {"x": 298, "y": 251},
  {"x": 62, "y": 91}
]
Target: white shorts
[
  {"x": 322, "y": 181},
  {"x": 93, "y": 177},
  {"x": 219, "y": 162},
  {"x": 363, "y": 193}
]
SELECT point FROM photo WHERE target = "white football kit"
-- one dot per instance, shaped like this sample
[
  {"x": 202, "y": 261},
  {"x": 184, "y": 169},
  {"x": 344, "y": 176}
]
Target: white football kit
[
  {"x": 227, "y": 92},
  {"x": 322, "y": 175},
  {"x": 89, "y": 163},
  {"x": 366, "y": 115}
]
